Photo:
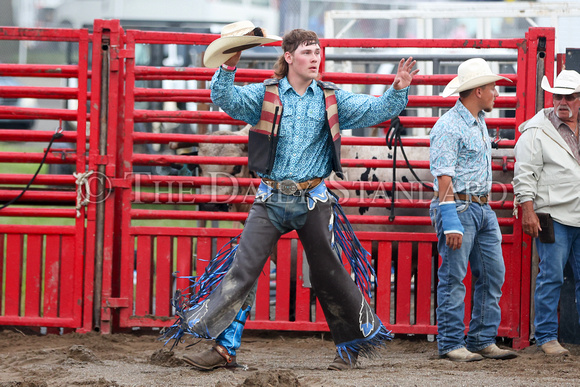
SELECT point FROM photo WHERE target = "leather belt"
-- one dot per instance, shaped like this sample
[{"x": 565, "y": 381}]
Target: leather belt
[
  {"x": 290, "y": 187},
  {"x": 467, "y": 197}
]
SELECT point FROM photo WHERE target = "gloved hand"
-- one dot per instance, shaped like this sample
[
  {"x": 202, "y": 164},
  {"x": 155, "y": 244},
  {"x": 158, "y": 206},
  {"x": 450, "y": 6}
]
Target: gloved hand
[{"x": 451, "y": 223}]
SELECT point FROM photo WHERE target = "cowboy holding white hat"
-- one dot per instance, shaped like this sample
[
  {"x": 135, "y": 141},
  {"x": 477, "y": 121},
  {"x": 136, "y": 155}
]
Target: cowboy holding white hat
[{"x": 235, "y": 37}]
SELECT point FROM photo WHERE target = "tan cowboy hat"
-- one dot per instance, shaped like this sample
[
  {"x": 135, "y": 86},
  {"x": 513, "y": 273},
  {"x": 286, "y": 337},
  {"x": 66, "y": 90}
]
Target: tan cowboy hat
[
  {"x": 471, "y": 74},
  {"x": 235, "y": 37},
  {"x": 567, "y": 82}
]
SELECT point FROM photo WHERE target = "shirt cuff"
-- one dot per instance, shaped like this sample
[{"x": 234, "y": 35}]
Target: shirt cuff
[
  {"x": 436, "y": 172},
  {"x": 223, "y": 74},
  {"x": 524, "y": 198}
]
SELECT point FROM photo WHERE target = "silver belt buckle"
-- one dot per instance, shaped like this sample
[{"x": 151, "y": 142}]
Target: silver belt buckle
[{"x": 288, "y": 187}]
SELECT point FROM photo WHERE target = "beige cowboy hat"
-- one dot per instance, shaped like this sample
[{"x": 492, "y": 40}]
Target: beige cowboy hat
[
  {"x": 567, "y": 82},
  {"x": 235, "y": 37},
  {"x": 471, "y": 74}
]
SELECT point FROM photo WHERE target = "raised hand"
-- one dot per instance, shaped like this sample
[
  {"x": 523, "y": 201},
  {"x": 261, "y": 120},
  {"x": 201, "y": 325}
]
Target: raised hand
[
  {"x": 404, "y": 74},
  {"x": 233, "y": 61}
]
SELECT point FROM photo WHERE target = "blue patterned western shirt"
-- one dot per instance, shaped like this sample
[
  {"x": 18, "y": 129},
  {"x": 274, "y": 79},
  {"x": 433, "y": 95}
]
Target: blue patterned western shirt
[
  {"x": 304, "y": 149},
  {"x": 461, "y": 148}
]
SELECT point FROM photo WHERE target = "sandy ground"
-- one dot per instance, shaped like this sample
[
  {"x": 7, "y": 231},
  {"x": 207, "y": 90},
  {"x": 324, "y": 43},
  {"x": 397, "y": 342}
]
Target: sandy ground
[{"x": 271, "y": 359}]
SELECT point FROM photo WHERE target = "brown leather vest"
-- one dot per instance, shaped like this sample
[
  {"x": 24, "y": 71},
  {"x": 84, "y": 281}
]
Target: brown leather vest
[{"x": 263, "y": 137}]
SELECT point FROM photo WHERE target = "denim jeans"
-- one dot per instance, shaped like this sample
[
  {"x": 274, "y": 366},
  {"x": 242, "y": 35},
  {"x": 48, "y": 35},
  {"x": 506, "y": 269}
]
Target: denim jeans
[
  {"x": 553, "y": 258},
  {"x": 286, "y": 212},
  {"x": 481, "y": 248}
]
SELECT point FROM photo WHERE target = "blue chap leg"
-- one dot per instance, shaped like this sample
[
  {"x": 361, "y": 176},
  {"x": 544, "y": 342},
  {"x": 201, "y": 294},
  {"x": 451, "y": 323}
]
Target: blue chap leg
[{"x": 231, "y": 337}]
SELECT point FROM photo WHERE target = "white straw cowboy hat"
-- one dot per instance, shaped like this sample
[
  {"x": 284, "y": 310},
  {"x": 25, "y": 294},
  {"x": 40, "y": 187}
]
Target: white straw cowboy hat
[
  {"x": 567, "y": 82},
  {"x": 235, "y": 37},
  {"x": 471, "y": 74}
]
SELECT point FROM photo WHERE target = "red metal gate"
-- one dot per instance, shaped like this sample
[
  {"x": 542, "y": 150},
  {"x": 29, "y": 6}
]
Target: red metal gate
[
  {"x": 133, "y": 263},
  {"x": 44, "y": 277}
]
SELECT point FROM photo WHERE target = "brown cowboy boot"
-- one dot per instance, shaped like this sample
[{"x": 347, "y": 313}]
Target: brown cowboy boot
[
  {"x": 210, "y": 359},
  {"x": 340, "y": 364},
  {"x": 495, "y": 352},
  {"x": 553, "y": 348}
]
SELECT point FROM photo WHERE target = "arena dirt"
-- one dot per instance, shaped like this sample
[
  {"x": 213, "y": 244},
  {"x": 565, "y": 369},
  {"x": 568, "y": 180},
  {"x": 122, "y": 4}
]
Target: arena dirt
[{"x": 268, "y": 358}]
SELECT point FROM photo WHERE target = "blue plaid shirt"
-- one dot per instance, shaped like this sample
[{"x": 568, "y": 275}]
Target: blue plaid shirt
[
  {"x": 461, "y": 148},
  {"x": 304, "y": 150}
]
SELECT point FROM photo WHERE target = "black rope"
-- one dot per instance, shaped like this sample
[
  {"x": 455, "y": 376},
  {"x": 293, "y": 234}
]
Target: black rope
[
  {"x": 58, "y": 134},
  {"x": 393, "y": 139}
]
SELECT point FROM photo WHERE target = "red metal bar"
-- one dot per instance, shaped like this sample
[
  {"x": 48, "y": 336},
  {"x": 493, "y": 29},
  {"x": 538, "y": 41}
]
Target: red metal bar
[
  {"x": 184, "y": 261},
  {"x": 39, "y": 212},
  {"x": 41, "y": 34},
  {"x": 112, "y": 67},
  {"x": 52, "y": 278},
  {"x": 34, "y": 135},
  {"x": 14, "y": 249},
  {"x": 144, "y": 276},
  {"x": 36, "y": 158},
  {"x": 422, "y": 43},
  {"x": 39, "y": 196},
  {"x": 468, "y": 297},
  {"x": 163, "y": 276},
  {"x": 124, "y": 168},
  {"x": 36, "y": 229},
  {"x": 39, "y": 180},
  {"x": 387, "y": 79},
  {"x": 436, "y": 101},
  {"x": 383, "y": 293},
  {"x": 33, "y": 275},
  {"x": 423, "y": 284},
  {"x": 403, "y": 283},
  {"x": 38, "y": 113},
  {"x": 203, "y": 255},
  {"x": 142, "y": 94},
  {"x": 283, "y": 270},
  {"x": 67, "y": 295},
  {"x": 39, "y": 92},
  {"x": 45, "y": 71},
  {"x": 43, "y": 321},
  {"x": 157, "y": 37}
]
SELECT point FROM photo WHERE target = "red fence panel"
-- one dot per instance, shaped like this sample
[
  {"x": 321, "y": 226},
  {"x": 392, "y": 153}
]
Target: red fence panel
[
  {"x": 43, "y": 280},
  {"x": 44, "y": 259}
]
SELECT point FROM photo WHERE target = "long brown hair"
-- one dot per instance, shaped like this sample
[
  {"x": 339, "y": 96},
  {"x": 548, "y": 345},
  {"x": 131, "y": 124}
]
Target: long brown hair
[{"x": 291, "y": 41}]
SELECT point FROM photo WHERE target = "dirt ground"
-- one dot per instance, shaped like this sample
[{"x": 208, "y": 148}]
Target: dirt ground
[{"x": 271, "y": 359}]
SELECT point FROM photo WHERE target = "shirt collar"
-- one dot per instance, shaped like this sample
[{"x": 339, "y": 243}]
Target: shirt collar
[
  {"x": 284, "y": 86},
  {"x": 466, "y": 115}
]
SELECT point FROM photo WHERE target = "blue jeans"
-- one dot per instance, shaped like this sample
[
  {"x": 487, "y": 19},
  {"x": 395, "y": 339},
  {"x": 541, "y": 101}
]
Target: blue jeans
[
  {"x": 481, "y": 248},
  {"x": 553, "y": 258}
]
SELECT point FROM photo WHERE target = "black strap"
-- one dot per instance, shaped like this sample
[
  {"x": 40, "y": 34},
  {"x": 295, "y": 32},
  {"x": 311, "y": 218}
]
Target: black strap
[
  {"x": 393, "y": 139},
  {"x": 56, "y": 135}
]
